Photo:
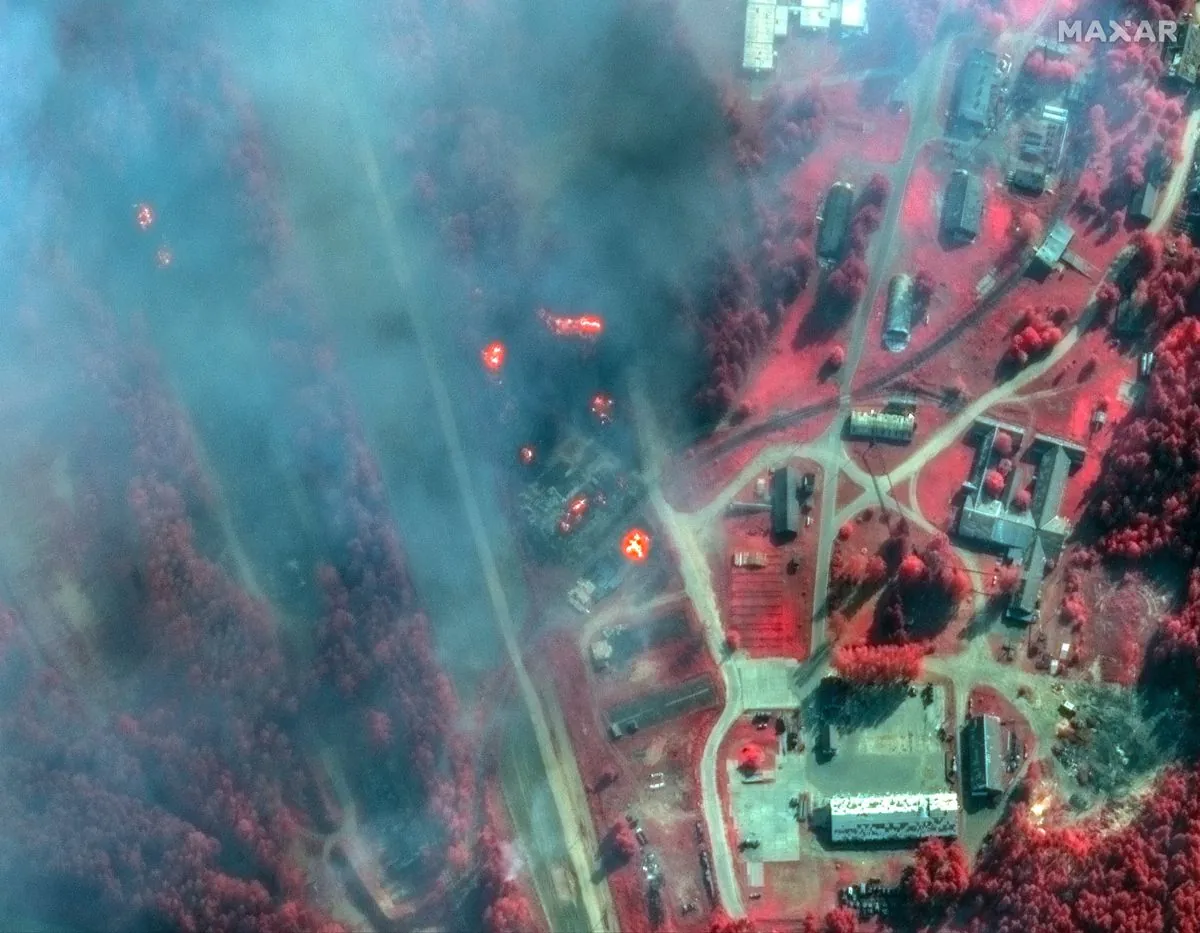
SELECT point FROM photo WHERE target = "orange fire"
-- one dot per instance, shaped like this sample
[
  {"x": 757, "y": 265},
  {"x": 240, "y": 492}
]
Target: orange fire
[
  {"x": 527, "y": 455},
  {"x": 493, "y": 356},
  {"x": 163, "y": 257},
  {"x": 144, "y": 215},
  {"x": 636, "y": 545},
  {"x": 602, "y": 407},
  {"x": 587, "y": 326}
]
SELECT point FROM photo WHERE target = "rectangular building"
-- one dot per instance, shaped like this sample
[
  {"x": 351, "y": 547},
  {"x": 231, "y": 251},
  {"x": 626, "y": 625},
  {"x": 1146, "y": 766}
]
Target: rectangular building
[
  {"x": 1050, "y": 253},
  {"x": 785, "y": 505},
  {"x": 976, "y": 86},
  {"x": 898, "y": 318},
  {"x": 893, "y": 817},
  {"x": 1142, "y": 203},
  {"x": 882, "y": 425},
  {"x": 758, "y": 49},
  {"x": 854, "y": 16},
  {"x": 982, "y": 742},
  {"x": 835, "y": 221},
  {"x": 962, "y": 209}
]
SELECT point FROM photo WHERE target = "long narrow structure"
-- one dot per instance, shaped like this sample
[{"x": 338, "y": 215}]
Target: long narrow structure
[{"x": 893, "y": 817}]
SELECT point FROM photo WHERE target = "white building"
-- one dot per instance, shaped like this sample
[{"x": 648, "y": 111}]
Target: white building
[
  {"x": 758, "y": 51},
  {"x": 853, "y": 15},
  {"x": 893, "y": 817},
  {"x": 767, "y": 21}
]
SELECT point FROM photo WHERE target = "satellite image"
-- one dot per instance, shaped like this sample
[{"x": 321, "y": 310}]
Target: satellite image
[{"x": 626, "y": 466}]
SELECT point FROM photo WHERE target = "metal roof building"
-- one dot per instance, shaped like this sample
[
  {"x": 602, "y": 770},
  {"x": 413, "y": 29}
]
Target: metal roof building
[
  {"x": 785, "y": 504},
  {"x": 893, "y": 817},
  {"x": 882, "y": 425},
  {"x": 758, "y": 48},
  {"x": 901, "y": 305},
  {"x": 1053, "y": 469},
  {"x": 835, "y": 220},
  {"x": 962, "y": 209},
  {"x": 1050, "y": 253},
  {"x": 982, "y": 739},
  {"x": 1142, "y": 203},
  {"x": 976, "y": 83},
  {"x": 1024, "y": 605}
]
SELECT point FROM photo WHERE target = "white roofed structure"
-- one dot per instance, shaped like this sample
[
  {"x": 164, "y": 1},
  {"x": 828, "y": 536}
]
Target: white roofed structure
[
  {"x": 854, "y": 15},
  {"x": 893, "y": 817},
  {"x": 758, "y": 50}
]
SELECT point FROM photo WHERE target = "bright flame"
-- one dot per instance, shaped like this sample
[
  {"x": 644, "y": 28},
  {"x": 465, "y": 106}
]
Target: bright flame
[
  {"x": 636, "y": 544},
  {"x": 527, "y": 455},
  {"x": 144, "y": 215},
  {"x": 493, "y": 356},
  {"x": 1038, "y": 809},
  {"x": 587, "y": 326},
  {"x": 578, "y": 505},
  {"x": 602, "y": 407},
  {"x": 163, "y": 257}
]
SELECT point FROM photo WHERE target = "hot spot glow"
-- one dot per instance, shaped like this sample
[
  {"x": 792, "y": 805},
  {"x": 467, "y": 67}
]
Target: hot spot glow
[
  {"x": 527, "y": 455},
  {"x": 493, "y": 356},
  {"x": 144, "y": 215},
  {"x": 636, "y": 544},
  {"x": 602, "y": 407},
  {"x": 586, "y": 326}
]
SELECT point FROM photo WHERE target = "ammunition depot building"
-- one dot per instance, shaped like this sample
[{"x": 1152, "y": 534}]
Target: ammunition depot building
[
  {"x": 962, "y": 208},
  {"x": 982, "y": 741},
  {"x": 870, "y": 424},
  {"x": 835, "y": 221},
  {"x": 975, "y": 93},
  {"x": 893, "y": 817},
  {"x": 898, "y": 317},
  {"x": 785, "y": 504}
]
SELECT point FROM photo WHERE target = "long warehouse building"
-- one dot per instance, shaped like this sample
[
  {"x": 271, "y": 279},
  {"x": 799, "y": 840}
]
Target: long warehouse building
[{"x": 893, "y": 817}]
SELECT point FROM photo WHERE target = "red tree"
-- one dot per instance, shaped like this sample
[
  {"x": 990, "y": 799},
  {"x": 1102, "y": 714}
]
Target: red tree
[
  {"x": 939, "y": 874},
  {"x": 751, "y": 758},
  {"x": 879, "y": 664}
]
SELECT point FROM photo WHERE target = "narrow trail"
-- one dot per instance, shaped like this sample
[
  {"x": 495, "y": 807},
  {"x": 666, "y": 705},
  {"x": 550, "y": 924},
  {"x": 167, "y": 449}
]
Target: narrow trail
[{"x": 578, "y": 832}]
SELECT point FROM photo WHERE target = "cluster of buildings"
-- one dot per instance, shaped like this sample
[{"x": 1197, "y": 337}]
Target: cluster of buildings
[
  {"x": 768, "y": 21},
  {"x": 893, "y": 817},
  {"x": 1029, "y": 537}
]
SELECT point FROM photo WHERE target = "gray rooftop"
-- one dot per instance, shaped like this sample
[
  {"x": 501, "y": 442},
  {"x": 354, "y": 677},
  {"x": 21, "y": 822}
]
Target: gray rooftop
[{"x": 982, "y": 734}]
